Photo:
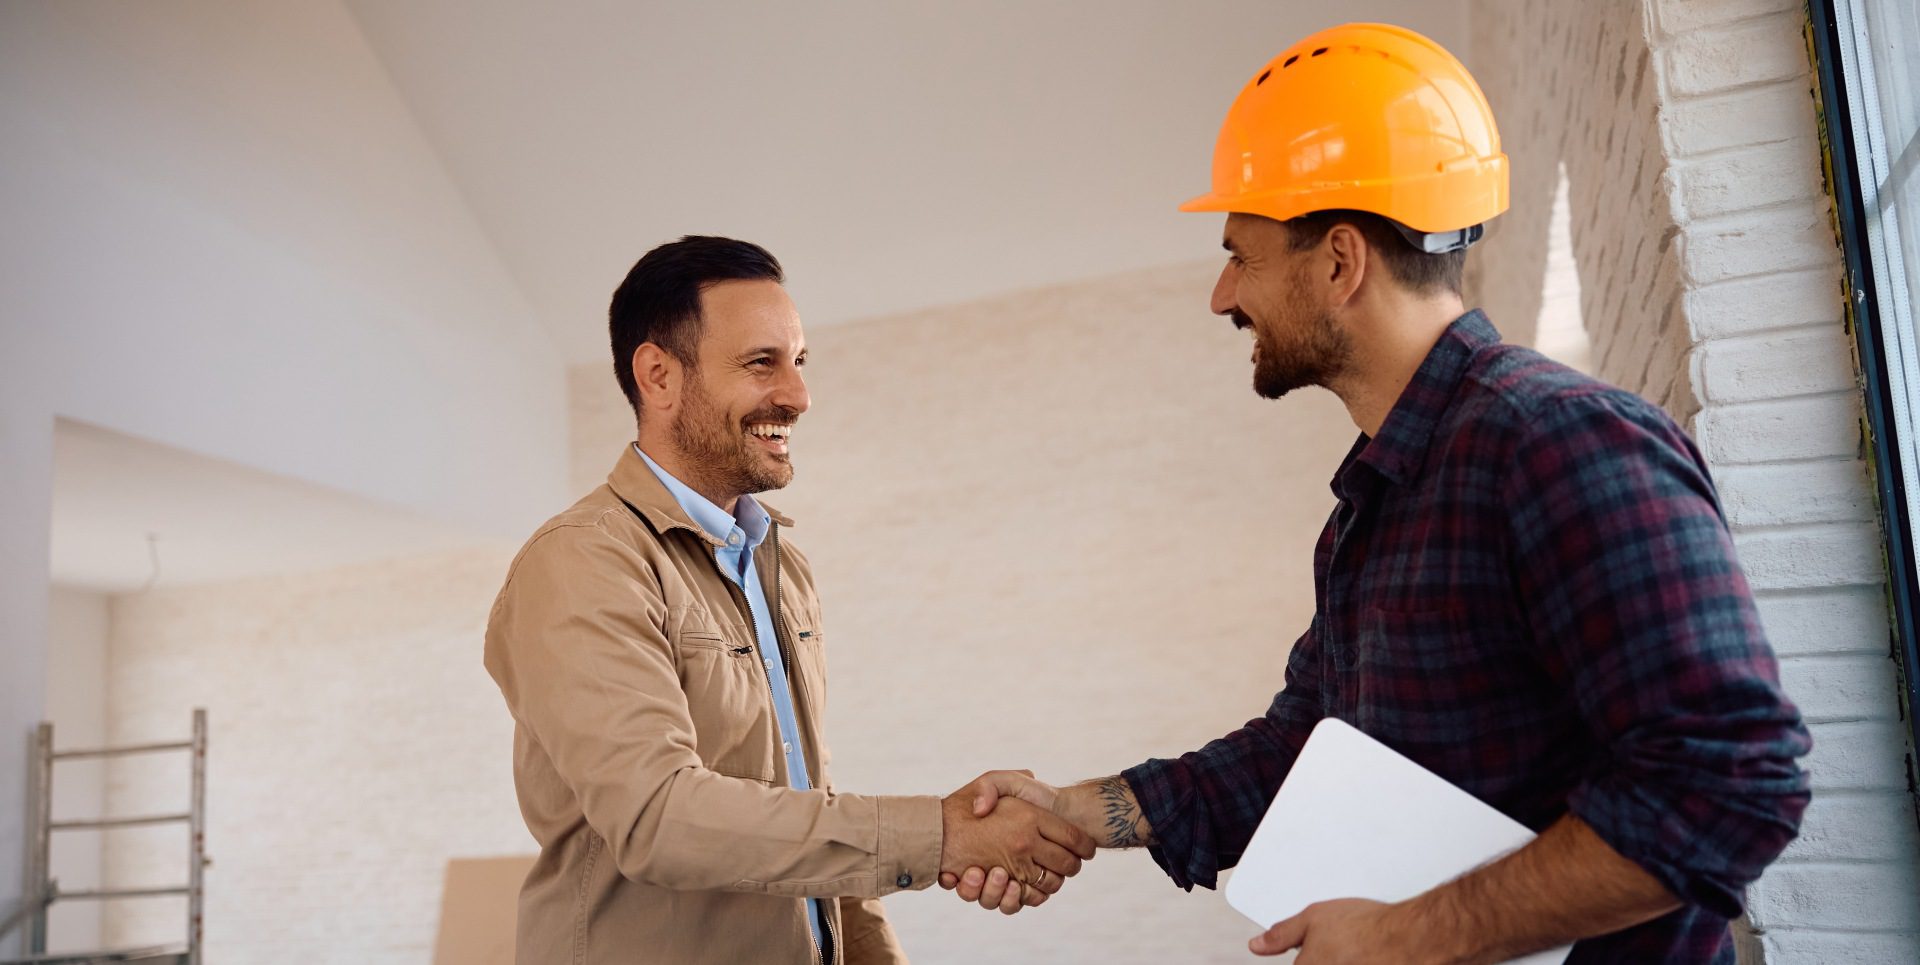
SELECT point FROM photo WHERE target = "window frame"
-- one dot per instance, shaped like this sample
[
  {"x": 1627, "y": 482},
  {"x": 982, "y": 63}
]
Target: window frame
[{"x": 1881, "y": 321}]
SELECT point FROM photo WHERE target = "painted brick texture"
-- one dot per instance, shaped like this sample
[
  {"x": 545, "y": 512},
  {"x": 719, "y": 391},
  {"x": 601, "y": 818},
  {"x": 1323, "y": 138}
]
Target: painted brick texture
[
  {"x": 358, "y": 743},
  {"x": 1702, "y": 111},
  {"x": 355, "y": 745},
  {"x": 1774, "y": 370}
]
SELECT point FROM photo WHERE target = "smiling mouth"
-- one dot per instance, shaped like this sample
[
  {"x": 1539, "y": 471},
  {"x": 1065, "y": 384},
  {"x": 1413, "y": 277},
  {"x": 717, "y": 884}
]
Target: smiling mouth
[{"x": 772, "y": 435}]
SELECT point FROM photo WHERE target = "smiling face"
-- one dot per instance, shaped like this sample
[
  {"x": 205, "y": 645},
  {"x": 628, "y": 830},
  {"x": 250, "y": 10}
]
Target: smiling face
[
  {"x": 738, "y": 406},
  {"x": 1264, "y": 289}
]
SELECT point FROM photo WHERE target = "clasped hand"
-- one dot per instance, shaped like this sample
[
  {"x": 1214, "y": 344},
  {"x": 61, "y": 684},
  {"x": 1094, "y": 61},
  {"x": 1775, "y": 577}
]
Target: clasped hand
[
  {"x": 1328, "y": 933},
  {"x": 1044, "y": 851}
]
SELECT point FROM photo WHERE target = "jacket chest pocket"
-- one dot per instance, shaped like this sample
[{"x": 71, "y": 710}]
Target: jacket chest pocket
[
  {"x": 726, "y": 691},
  {"x": 810, "y": 666},
  {"x": 810, "y": 692}
]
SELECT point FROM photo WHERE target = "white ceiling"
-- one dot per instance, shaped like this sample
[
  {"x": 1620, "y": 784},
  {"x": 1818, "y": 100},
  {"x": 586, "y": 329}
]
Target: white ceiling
[
  {"x": 208, "y": 519},
  {"x": 893, "y": 154}
]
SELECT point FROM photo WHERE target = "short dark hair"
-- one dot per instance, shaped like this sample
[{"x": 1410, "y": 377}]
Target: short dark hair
[
  {"x": 659, "y": 301},
  {"x": 1414, "y": 269}
]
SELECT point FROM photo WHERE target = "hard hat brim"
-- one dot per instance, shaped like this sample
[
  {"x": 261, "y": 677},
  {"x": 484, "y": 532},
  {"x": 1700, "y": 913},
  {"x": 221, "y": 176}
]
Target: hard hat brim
[{"x": 1431, "y": 203}]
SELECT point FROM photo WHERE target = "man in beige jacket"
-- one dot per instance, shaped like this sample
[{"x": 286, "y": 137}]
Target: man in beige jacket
[{"x": 660, "y": 647}]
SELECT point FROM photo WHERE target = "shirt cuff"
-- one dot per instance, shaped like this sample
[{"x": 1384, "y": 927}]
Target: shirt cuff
[
  {"x": 911, "y": 834},
  {"x": 1655, "y": 839},
  {"x": 1159, "y": 787}
]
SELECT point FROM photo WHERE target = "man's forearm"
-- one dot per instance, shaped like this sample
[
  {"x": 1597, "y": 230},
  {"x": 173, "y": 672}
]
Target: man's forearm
[
  {"x": 1106, "y": 809},
  {"x": 1566, "y": 885}
]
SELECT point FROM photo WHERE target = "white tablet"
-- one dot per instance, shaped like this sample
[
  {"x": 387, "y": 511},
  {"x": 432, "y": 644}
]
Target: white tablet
[{"x": 1355, "y": 819}]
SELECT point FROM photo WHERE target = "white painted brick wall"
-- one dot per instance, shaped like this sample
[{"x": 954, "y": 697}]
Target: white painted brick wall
[
  {"x": 1776, "y": 366},
  {"x": 1709, "y": 60},
  {"x": 1689, "y": 15},
  {"x": 1848, "y": 619},
  {"x": 1710, "y": 284},
  {"x": 1793, "y": 298},
  {"x": 1754, "y": 115},
  {"x": 1756, "y": 243},
  {"x": 355, "y": 745},
  {"x": 1852, "y": 948},
  {"x": 1745, "y": 178},
  {"x": 1773, "y": 370},
  {"x": 1822, "y": 491},
  {"x": 358, "y": 744},
  {"x": 1822, "y": 427},
  {"x": 1826, "y": 554}
]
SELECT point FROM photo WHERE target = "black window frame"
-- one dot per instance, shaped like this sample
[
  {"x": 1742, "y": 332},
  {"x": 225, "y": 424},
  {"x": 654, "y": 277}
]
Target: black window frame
[{"x": 1832, "y": 32}]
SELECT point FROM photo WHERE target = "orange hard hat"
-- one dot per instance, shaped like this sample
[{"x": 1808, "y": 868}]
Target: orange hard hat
[{"x": 1365, "y": 117}]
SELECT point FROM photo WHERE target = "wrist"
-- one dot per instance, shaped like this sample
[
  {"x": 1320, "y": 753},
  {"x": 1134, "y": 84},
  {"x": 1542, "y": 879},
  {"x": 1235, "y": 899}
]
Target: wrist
[
  {"x": 951, "y": 810},
  {"x": 1079, "y": 805},
  {"x": 1425, "y": 933}
]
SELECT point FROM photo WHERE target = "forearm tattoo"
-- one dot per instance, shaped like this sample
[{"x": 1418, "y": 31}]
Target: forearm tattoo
[{"x": 1120, "y": 814}]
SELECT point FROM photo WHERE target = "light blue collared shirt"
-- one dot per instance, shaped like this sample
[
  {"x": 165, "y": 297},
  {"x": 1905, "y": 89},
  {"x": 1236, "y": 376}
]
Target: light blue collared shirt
[{"x": 741, "y": 531}]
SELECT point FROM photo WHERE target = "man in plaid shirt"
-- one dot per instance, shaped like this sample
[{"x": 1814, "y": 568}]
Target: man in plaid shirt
[{"x": 1526, "y": 585}]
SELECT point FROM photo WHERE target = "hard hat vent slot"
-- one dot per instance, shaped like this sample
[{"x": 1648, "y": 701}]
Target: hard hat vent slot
[
  {"x": 1318, "y": 52},
  {"x": 1290, "y": 60},
  {"x": 1263, "y": 78}
]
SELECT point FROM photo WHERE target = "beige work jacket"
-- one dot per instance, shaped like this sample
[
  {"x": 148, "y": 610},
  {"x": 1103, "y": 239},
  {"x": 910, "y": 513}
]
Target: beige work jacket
[{"x": 647, "y": 759}]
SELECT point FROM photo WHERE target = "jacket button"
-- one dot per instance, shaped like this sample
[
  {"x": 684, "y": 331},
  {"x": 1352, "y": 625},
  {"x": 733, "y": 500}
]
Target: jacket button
[{"x": 904, "y": 881}]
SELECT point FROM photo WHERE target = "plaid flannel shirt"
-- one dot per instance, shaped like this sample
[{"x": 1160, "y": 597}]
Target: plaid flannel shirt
[{"x": 1527, "y": 586}]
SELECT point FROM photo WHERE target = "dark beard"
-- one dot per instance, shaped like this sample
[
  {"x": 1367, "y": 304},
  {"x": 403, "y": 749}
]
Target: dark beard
[
  {"x": 716, "y": 451},
  {"x": 1319, "y": 353}
]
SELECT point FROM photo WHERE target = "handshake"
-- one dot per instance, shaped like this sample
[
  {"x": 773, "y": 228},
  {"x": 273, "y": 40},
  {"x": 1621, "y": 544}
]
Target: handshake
[{"x": 1011, "y": 842}]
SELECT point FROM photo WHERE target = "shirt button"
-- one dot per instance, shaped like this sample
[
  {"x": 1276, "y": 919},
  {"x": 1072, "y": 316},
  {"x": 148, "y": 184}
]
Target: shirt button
[
  {"x": 786, "y": 747},
  {"x": 769, "y": 662},
  {"x": 904, "y": 881},
  {"x": 733, "y": 539}
]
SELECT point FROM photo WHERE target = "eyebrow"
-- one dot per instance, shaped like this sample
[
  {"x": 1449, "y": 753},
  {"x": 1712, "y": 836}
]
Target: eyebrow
[{"x": 767, "y": 350}]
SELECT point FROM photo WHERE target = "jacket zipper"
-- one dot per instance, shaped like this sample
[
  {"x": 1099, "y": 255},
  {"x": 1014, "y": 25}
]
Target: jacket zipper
[
  {"x": 786, "y": 658},
  {"x": 780, "y": 634}
]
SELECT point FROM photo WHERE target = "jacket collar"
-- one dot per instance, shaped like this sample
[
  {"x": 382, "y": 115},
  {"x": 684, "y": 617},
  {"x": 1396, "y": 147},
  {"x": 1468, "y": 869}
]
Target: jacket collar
[
  {"x": 638, "y": 487},
  {"x": 1400, "y": 448}
]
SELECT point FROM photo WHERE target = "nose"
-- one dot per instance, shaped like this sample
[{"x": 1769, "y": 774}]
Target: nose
[
  {"x": 1225, "y": 295},
  {"x": 791, "y": 393}
]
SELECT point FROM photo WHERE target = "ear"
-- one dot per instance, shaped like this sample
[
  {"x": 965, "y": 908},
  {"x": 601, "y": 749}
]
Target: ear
[
  {"x": 1348, "y": 260},
  {"x": 659, "y": 377}
]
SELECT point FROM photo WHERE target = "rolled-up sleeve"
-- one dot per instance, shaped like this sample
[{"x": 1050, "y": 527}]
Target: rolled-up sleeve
[
  {"x": 1204, "y": 805},
  {"x": 1629, "y": 581}
]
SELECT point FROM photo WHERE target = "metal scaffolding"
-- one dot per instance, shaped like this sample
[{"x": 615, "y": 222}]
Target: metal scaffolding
[{"x": 44, "y": 891}]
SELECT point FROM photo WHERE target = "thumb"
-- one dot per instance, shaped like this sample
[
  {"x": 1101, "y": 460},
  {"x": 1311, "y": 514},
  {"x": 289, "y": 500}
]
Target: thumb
[
  {"x": 986, "y": 797},
  {"x": 991, "y": 785},
  {"x": 1282, "y": 937}
]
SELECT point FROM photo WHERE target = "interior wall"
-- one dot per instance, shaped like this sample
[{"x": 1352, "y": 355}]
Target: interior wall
[
  {"x": 1572, "y": 87},
  {"x": 1709, "y": 277},
  {"x": 224, "y": 232},
  {"x": 1053, "y": 530},
  {"x": 77, "y": 630},
  {"x": 26, "y": 490},
  {"x": 355, "y": 745},
  {"x": 228, "y": 235}
]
